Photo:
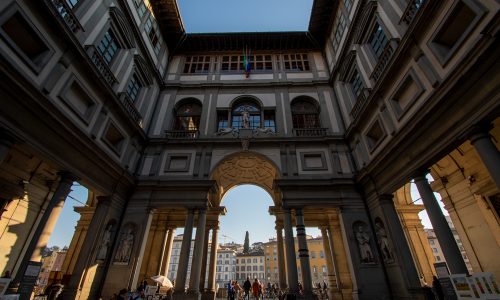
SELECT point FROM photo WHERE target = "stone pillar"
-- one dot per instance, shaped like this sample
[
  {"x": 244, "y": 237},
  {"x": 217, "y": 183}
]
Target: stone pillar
[
  {"x": 293, "y": 278},
  {"x": 194, "y": 280},
  {"x": 399, "y": 241},
  {"x": 303, "y": 253},
  {"x": 167, "y": 252},
  {"x": 443, "y": 232},
  {"x": 281, "y": 256},
  {"x": 204, "y": 260},
  {"x": 212, "y": 268},
  {"x": 91, "y": 244},
  {"x": 488, "y": 153},
  {"x": 333, "y": 288},
  {"x": 180, "y": 281},
  {"x": 340, "y": 258},
  {"x": 6, "y": 142},
  {"x": 140, "y": 256},
  {"x": 47, "y": 222}
]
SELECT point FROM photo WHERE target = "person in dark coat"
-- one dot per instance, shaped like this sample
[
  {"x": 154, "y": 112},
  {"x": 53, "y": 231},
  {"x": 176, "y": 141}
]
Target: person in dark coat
[
  {"x": 246, "y": 287},
  {"x": 437, "y": 288}
]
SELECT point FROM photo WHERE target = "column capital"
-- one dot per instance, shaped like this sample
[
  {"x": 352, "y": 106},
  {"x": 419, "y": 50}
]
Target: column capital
[
  {"x": 103, "y": 200},
  {"x": 67, "y": 177},
  {"x": 386, "y": 199},
  {"x": 479, "y": 130},
  {"x": 420, "y": 175}
]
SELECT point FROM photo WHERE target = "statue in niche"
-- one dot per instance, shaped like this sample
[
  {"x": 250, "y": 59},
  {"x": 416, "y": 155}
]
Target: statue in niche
[
  {"x": 383, "y": 241},
  {"x": 245, "y": 119},
  {"x": 363, "y": 239},
  {"x": 125, "y": 246},
  {"x": 105, "y": 243}
]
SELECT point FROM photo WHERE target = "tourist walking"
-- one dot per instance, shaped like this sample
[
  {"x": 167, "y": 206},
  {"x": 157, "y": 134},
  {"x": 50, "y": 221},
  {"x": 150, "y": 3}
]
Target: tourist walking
[
  {"x": 247, "y": 285},
  {"x": 256, "y": 289},
  {"x": 237, "y": 290}
]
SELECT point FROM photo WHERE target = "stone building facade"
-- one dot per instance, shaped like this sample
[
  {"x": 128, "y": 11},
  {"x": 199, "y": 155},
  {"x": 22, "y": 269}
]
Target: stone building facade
[
  {"x": 333, "y": 122},
  {"x": 251, "y": 265}
]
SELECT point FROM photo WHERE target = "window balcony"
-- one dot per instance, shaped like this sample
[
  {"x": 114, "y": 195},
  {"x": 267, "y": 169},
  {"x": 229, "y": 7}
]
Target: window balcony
[
  {"x": 100, "y": 64},
  {"x": 66, "y": 13},
  {"x": 182, "y": 134},
  {"x": 131, "y": 109},
  {"x": 384, "y": 59},
  {"x": 360, "y": 103},
  {"x": 310, "y": 132},
  {"x": 411, "y": 10}
]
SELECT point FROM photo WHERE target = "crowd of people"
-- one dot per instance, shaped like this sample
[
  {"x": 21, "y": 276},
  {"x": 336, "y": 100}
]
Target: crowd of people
[{"x": 256, "y": 289}]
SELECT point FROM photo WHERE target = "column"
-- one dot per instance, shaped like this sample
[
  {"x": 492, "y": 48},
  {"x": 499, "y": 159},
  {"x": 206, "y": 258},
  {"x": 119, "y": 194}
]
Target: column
[
  {"x": 488, "y": 153},
  {"x": 293, "y": 278},
  {"x": 204, "y": 261},
  {"x": 399, "y": 241},
  {"x": 303, "y": 252},
  {"x": 167, "y": 252},
  {"x": 340, "y": 262},
  {"x": 281, "y": 256},
  {"x": 333, "y": 288},
  {"x": 194, "y": 280},
  {"x": 213, "y": 257},
  {"x": 91, "y": 243},
  {"x": 47, "y": 222},
  {"x": 6, "y": 142},
  {"x": 443, "y": 232},
  {"x": 180, "y": 281},
  {"x": 5, "y": 146}
]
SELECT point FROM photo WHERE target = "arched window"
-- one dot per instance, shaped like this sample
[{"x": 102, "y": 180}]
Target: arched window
[
  {"x": 305, "y": 114},
  {"x": 246, "y": 112},
  {"x": 187, "y": 116}
]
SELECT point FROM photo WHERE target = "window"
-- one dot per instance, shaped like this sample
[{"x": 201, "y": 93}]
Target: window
[
  {"x": 133, "y": 87},
  {"x": 296, "y": 62},
  {"x": 234, "y": 63},
  {"x": 375, "y": 135},
  {"x": 153, "y": 32},
  {"x": 431, "y": 242},
  {"x": 321, "y": 254},
  {"x": 141, "y": 7},
  {"x": 313, "y": 254},
  {"x": 340, "y": 25},
  {"x": 434, "y": 250},
  {"x": 197, "y": 64},
  {"x": 438, "y": 258},
  {"x": 269, "y": 120},
  {"x": 72, "y": 3},
  {"x": 304, "y": 114},
  {"x": 356, "y": 83},
  {"x": 378, "y": 40},
  {"x": 187, "y": 117},
  {"x": 108, "y": 46},
  {"x": 348, "y": 5},
  {"x": 253, "y": 115}
]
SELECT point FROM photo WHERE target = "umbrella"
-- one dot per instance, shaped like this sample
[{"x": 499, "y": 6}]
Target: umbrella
[{"x": 164, "y": 281}]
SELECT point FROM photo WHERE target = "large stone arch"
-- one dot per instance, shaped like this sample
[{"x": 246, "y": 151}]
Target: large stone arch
[{"x": 245, "y": 168}]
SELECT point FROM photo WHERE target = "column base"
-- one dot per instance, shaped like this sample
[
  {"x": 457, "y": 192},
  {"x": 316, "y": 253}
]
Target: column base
[{"x": 208, "y": 295}]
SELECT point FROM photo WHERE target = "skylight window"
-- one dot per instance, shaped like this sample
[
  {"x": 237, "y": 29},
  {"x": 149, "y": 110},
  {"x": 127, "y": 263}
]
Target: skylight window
[{"x": 209, "y": 16}]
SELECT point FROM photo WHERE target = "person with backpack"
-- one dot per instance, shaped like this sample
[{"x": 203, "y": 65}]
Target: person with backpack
[{"x": 247, "y": 285}]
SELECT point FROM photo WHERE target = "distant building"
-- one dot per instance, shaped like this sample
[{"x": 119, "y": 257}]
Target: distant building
[
  {"x": 225, "y": 266},
  {"x": 51, "y": 265},
  {"x": 251, "y": 265},
  {"x": 436, "y": 248},
  {"x": 317, "y": 260},
  {"x": 175, "y": 256}
]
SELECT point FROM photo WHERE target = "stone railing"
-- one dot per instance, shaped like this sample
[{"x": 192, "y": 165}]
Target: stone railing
[
  {"x": 130, "y": 108},
  {"x": 66, "y": 13},
  {"x": 411, "y": 10},
  {"x": 310, "y": 131},
  {"x": 384, "y": 59},
  {"x": 100, "y": 64},
  {"x": 182, "y": 134}
]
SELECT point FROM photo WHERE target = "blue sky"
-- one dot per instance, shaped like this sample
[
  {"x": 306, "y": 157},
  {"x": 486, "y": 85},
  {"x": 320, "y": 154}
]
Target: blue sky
[{"x": 245, "y": 15}]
